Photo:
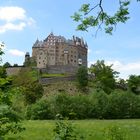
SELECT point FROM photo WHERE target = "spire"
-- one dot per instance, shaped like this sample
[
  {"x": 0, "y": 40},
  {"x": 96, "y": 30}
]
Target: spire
[
  {"x": 36, "y": 41},
  {"x": 27, "y": 54},
  {"x": 86, "y": 44},
  {"x": 51, "y": 33}
]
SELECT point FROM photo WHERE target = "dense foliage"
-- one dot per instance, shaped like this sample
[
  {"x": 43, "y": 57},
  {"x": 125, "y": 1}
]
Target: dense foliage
[
  {"x": 9, "y": 120},
  {"x": 134, "y": 83},
  {"x": 104, "y": 76},
  {"x": 82, "y": 77},
  {"x": 117, "y": 105}
]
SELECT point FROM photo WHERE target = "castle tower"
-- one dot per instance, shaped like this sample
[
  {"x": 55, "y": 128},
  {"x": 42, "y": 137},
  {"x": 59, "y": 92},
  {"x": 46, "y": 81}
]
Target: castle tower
[{"x": 27, "y": 59}]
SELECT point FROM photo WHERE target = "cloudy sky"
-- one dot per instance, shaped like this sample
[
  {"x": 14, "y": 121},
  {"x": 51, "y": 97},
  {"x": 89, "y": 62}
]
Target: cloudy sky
[{"x": 23, "y": 21}]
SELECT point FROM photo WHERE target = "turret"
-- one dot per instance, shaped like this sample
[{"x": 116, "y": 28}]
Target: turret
[{"x": 27, "y": 59}]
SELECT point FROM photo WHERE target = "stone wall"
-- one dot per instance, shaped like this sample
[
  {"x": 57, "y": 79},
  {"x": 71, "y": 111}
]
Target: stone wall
[
  {"x": 69, "y": 69},
  {"x": 45, "y": 81},
  {"x": 60, "y": 69},
  {"x": 13, "y": 70}
]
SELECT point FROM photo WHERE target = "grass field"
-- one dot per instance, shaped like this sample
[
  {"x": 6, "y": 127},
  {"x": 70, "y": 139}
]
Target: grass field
[
  {"x": 88, "y": 129},
  {"x": 51, "y": 75}
]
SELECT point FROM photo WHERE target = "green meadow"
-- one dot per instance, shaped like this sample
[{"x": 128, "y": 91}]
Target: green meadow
[{"x": 86, "y": 129}]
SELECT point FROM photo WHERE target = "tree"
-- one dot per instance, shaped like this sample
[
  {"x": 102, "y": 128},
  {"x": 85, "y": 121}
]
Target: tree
[
  {"x": 82, "y": 77},
  {"x": 15, "y": 65},
  {"x": 3, "y": 72},
  {"x": 33, "y": 91},
  {"x": 4, "y": 80},
  {"x": 104, "y": 76},
  {"x": 25, "y": 76},
  {"x": 30, "y": 62},
  {"x": 121, "y": 84},
  {"x": 95, "y": 16},
  {"x": 9, "y": 121},
  {"x": 134, "y": 83},
  {"x": 6, "y": 65}
]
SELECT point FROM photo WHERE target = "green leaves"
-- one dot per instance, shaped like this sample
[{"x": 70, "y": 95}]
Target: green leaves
[
  {"x": 76, "y": 17},
  {"x": 85, "y": 8},
  {"x": 109, "y": 30},
  {"x": 9, "y": 121},
  {"x": 64, "y": 130},
  {"x": 134, "y": 84},
  {"x": 97, "y": 18},
  {"x": 104, "y": 76},
  {"x": 82, "y": 77},
  {"x": 122, "y": 15}
]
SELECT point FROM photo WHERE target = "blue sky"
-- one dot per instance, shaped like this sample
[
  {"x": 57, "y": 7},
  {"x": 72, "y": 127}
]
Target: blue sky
[{"x": 23, "y": 21}]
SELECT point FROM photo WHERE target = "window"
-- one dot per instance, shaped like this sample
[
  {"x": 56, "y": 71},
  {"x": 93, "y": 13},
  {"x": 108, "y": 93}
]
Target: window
[{"x": 51, "y": 50}]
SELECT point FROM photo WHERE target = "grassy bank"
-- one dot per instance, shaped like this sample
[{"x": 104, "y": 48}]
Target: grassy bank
[{"x": 88, "y": 129}]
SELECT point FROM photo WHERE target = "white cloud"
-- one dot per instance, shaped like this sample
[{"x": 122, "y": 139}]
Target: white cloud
[
  {"x": 12, "y": 13},
  {"x": 11, "y": 26},
  {"x": 117, "y": 65},
  {"x": 89, "y": 51},
  {"x": 31, "y": 21},
  {"x": 16, "y": 52},
  {"x": 14, "y": 18},
  {"x": 125, "y": 69}
]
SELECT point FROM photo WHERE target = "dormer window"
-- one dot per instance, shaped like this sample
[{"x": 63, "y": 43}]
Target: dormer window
[{"x": 65, "y": 51}]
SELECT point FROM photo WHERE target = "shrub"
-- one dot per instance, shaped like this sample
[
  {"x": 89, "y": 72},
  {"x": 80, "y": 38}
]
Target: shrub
[
  {"x": 65, "y": 130},
  {"x": 39, "y": 111},
  {"x": 117, "y": 105},
  {"x": 33, "y": 91},
  {"x": 123, "y": 105},
  {"x": 62, "y": 102},
  {"x": 114, "y": 132},
  {"x": 9, "y": 121},
  {"x": 99, "y": 102}
]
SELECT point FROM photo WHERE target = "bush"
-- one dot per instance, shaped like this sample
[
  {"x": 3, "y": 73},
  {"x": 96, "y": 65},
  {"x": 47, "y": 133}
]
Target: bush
[
  {"x": 64, "y": 131},
  {"x": 117, "y": 105},
  {"x": 9, "y": 121},
  {"x": 39, "y": 111},
  {"x": 99, "y": 106},
  {"x": 62, "y": 102},
  {"x": 123, "y": 105},
  {"x": 115, "y": 132},
  {"x": 33, "y": 91}
]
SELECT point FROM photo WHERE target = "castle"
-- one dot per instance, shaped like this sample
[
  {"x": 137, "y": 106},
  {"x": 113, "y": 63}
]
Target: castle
[{"x": 57, "y": 51}]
